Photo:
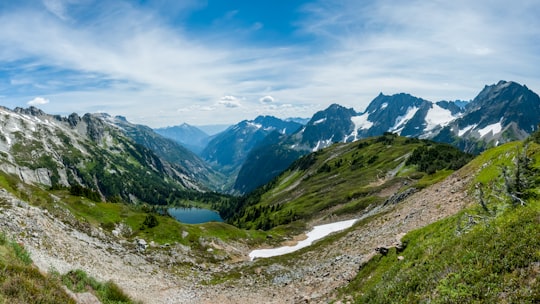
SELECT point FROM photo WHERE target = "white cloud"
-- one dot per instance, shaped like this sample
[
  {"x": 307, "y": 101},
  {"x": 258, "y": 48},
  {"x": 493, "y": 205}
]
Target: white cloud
[
  {"x": 38, "y": 101},
  {"x": 267, "y": 99},
  {"x": 229, "y": 101},
  {"x": 353, "y": 50}
]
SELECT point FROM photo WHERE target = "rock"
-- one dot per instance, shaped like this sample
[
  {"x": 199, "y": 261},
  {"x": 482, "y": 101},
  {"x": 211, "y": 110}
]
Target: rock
[
  {"x": 398, "y": 197},
  {"x": 141, "y": 244},
  {"x": 382, "y": 250}
]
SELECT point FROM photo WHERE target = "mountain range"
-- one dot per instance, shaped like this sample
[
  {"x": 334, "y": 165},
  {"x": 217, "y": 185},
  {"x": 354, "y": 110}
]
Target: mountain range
[
  {"x": 186, "y": 135},
  {"x": 252, "y": 152},
  {"x": 501, "y": 113},
  {"x": 87, "y": 196},
  {"x": 103, "y": 157}
]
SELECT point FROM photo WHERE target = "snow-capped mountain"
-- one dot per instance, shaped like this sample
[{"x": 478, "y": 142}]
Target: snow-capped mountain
[
  {"x": 325, "y": 127},
  {"x": 187, "y": 135},
  {"x": 502, "y": 112},
  {"x": 92, "y": 152},
  {"x": 402, "y": 113},
  {"x": 229, "y": 148}
]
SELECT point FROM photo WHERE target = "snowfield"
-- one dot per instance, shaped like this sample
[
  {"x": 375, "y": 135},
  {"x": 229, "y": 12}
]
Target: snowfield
[{"x": 317, "y": 233}]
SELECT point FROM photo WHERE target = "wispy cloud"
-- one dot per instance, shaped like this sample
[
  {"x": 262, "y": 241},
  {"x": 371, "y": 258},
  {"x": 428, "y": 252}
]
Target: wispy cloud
[
  {"x": 38, "y": 101},
  {"x": 267, "y": 99},
  {"x": 132, "y": 60},
  {"x": 229, "y": 101}
]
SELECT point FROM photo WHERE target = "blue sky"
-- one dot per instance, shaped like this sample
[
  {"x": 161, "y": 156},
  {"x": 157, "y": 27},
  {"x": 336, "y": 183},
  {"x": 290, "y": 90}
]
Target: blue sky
[{"x": 162, "y": 63}]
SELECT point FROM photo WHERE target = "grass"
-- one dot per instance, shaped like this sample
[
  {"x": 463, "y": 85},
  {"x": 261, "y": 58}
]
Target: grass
[
  {"x": 21, "y": 282},
  {"x": 475, "y": 256},
  {"x": 493, "y": 262},
  {"x": 109, "y": 292},
  {"x": 343, "y": 179}
]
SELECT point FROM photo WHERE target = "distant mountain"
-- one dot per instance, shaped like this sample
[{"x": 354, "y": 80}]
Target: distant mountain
[
  {"x": 269, "y": 158},
  {"x": 188, "y": 136},
  {"x": 93, "y": 155},
  {"x": 191, "y": 164},
  {"x": 228, "y": 149},
  {"x": 325, "y": 127},
  {"x": 502, "y": 112}
]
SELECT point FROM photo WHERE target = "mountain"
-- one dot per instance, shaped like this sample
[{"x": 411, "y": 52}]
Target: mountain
[
  {"x": 229, "y": 148},
  {"x": 422, "y": 231},
  {"x": 93, "y": 155},
  {"x": 345, "y": 178},
  {"x": 325, "y": 127},
  {"x": 266, "y": 160},
  {"x": 276, "y": 152},
  {"x": 171, "y": 151},
  {"x": 500, "y": 113},
  {"x": 188, "y": 136}
]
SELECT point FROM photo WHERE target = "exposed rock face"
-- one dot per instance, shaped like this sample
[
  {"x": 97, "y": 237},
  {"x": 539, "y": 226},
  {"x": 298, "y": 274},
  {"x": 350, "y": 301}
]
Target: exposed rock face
[{"x": 93, "y": 152}]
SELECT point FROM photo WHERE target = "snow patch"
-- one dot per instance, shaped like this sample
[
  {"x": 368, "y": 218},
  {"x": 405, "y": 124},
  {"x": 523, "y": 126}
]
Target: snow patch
[
  {"x": 321, "y": 144},
  {"x": 319, "y": 121},
  {"x": 361, "y": 122},
  {"x": 437, "y": 116},
  {"x": 255, "y": 125},
  {"x": 402, "y": 120},
  {"x": 466, "y": 129},
  {"x": 495, "y": 128},
  {"x": 317, "y": 233},
  {"x": 384, "y": 105}
]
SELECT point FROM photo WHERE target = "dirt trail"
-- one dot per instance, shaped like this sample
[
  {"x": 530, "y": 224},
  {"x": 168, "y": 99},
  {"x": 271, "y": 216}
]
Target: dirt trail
[{"x": 311, "y": 278}]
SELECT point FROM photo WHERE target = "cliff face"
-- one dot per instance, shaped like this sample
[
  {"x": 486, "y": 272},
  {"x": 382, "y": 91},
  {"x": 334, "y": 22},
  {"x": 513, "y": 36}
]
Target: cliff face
[{"x": 90, "y": 151}]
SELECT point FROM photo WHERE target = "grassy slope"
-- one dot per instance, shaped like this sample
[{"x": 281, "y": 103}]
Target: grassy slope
[
  {"x": 343, "y": 179},
  {"x": 20, "y": 282},
  {"x": 83, "y": 211},
  {"x": 477, "y": 255}
]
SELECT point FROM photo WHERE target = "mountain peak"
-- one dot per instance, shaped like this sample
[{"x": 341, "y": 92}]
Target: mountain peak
[{"x": 29, "y": 111}]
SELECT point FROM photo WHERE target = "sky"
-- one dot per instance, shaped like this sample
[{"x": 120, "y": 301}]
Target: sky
[{"x": 204, "y": 62}]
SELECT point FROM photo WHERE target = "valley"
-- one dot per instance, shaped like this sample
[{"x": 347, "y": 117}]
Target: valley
[{"x": 91, "y": 194}]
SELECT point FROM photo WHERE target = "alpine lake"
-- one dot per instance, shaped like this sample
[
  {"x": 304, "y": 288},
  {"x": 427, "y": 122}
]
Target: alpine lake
[{"x": 194, "y": 215}]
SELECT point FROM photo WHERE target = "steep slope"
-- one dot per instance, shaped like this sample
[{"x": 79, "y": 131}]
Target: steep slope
[
  {"x": 345, "y": 179},
  {"x": 184, "y": 160},
  {"x": 229, "y": 149},
  {"x": 88, "y": 154},
  {"x": 188, "y": 136},
  {"x": 325, "y": 127},
  {"x": 501, "y": 113},
  {"x": 465, "y": 254},
  {"x": 487, "y": 253}
]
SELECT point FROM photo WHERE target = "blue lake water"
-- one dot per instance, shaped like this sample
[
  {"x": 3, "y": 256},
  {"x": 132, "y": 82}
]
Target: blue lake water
[{"x": 194, "y": 215}]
